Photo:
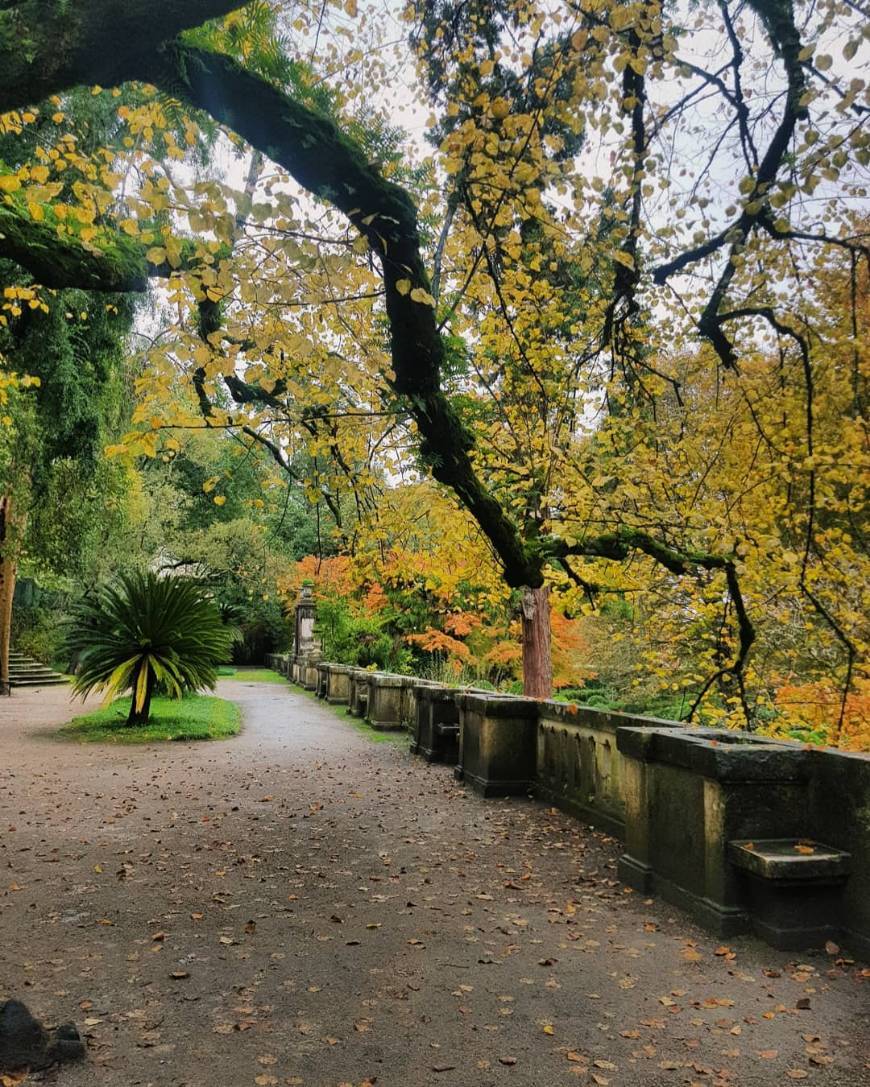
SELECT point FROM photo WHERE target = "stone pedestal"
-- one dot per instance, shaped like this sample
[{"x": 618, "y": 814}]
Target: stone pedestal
[
  {"x": 322, "y": 678},
  {"x": 338, "y": 684},
  {"x": 306, "y": 654},
  {"x": 358, "y": 697},
  {"x": 793, "y": 889},
  {"x": 497, "y": 743},
  {"x": 384, "y": 709},
  {"x": 436, "y": 729},
  {"x": 688, "y": 792},
  {"x": 410, "y": 697}
]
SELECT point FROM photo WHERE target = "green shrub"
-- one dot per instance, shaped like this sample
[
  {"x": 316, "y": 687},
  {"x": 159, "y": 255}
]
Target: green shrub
[{"x": 37, "y": 632}]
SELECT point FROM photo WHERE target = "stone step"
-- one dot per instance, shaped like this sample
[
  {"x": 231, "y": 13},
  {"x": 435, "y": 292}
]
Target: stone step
[
  {"x": 47, "y": 681},
  {"x": 24, "y": 671}
]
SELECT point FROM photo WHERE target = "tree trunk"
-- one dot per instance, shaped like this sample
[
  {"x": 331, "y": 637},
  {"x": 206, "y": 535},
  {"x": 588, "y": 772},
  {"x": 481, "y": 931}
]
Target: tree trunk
[
  {"x": 141, "y": 717},
  {"x": 537, "y": 655},
  {"x": 8, "y": 571}
]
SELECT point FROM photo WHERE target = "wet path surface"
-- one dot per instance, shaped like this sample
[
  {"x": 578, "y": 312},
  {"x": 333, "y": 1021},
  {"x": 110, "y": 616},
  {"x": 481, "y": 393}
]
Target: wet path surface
[{"x": 301, "y": 906}]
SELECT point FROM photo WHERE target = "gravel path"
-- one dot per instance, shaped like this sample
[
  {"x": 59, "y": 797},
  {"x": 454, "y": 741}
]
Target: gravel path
[{"x": 301, "y": 906}]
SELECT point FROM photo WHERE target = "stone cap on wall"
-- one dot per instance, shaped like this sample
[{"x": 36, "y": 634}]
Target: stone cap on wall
[
  {"x": 717, "y": 753},
  {"x": 494, "y": 704},
  {"x": 575, "y": 713}
]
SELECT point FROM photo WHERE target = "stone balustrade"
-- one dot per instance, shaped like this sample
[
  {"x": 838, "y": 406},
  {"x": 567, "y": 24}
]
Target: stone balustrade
[{"x": 722, "y": 823}]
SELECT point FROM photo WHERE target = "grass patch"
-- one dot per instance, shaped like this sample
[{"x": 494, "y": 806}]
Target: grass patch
[
  {"x": 194, "y": 717},
  {"x": 226, "y": 670},
  {"x": 398, "y": 737},
  {"x": 259, "y": 675}
]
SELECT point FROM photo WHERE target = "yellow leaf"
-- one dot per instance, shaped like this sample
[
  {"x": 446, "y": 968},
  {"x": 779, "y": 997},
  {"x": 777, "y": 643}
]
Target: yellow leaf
[
  {"x": 9, "y": 183},
  {"x": 403, "y": 286}
]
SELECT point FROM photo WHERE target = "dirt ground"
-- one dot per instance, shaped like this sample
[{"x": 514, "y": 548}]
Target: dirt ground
[{"x": 301, "y": 906}]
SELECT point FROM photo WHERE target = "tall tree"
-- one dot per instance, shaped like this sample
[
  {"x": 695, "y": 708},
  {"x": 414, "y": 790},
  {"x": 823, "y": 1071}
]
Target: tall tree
[{"x": 638, "y": 75}]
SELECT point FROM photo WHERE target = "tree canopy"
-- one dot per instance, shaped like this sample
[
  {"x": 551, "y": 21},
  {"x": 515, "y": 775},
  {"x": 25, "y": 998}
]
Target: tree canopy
[{"x": 618, "y": 311}]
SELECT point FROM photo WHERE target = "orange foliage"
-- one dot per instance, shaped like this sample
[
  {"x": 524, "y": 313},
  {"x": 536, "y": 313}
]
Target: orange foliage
[
  {"x": 461, "y": 623},
  {"x": 569, "y": 649},
  {"x": 817, "y": 706},
  {"x": 334, "y": 575},
  {"x": 375, "y": 599},
  {"x": 436, "y": 641}
]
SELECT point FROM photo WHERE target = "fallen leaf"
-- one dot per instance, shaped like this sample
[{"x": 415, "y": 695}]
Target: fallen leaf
[{"x": 509, "y": 1061}]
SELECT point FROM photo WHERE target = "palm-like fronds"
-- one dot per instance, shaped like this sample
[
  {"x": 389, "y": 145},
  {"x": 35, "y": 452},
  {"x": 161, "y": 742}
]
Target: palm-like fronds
[{"x": 144, "y": 630}]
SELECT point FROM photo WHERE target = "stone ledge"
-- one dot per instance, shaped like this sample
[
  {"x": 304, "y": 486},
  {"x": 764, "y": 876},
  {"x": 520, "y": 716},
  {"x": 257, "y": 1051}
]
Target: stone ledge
[
  {"x": 785, "y": 859},
  {"x": 719, "y": 754}
]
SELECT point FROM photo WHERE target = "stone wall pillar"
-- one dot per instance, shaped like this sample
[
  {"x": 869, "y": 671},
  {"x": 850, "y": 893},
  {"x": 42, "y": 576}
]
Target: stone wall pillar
[{"x": 497, "y": 743}]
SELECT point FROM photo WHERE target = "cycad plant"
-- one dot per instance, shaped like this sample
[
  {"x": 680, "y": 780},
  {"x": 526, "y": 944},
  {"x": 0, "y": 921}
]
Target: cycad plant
[{"x": 146, "y": 630}]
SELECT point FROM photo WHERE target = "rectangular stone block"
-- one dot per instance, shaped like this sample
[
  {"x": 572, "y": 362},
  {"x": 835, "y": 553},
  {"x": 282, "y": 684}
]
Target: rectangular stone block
[
  {"x": 497, "y": 743},
  {"x": 689, "y": 792},
  {"x": 322, "y": 678},
  {"x": 358, "y": 698},
  {"x": 338, "y": 684},
  {"x": 384, "y": 710},
  {"x": 436, "y": 731}
]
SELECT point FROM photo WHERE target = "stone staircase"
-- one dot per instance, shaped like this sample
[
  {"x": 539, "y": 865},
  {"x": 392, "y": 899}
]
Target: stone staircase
[{"x": 27, "y": 672}]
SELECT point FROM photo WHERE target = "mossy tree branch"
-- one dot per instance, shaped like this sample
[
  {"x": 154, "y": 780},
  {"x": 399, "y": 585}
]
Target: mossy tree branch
[
  {"x": 49, "y": 46},
  {"x": 57, "y": 261}
]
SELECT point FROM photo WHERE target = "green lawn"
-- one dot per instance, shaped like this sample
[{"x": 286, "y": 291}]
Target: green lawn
[
  {"x": 399, "y": 737},
  {"x": 257, "y": 675},
  {"x": 195, "y": 717}
]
